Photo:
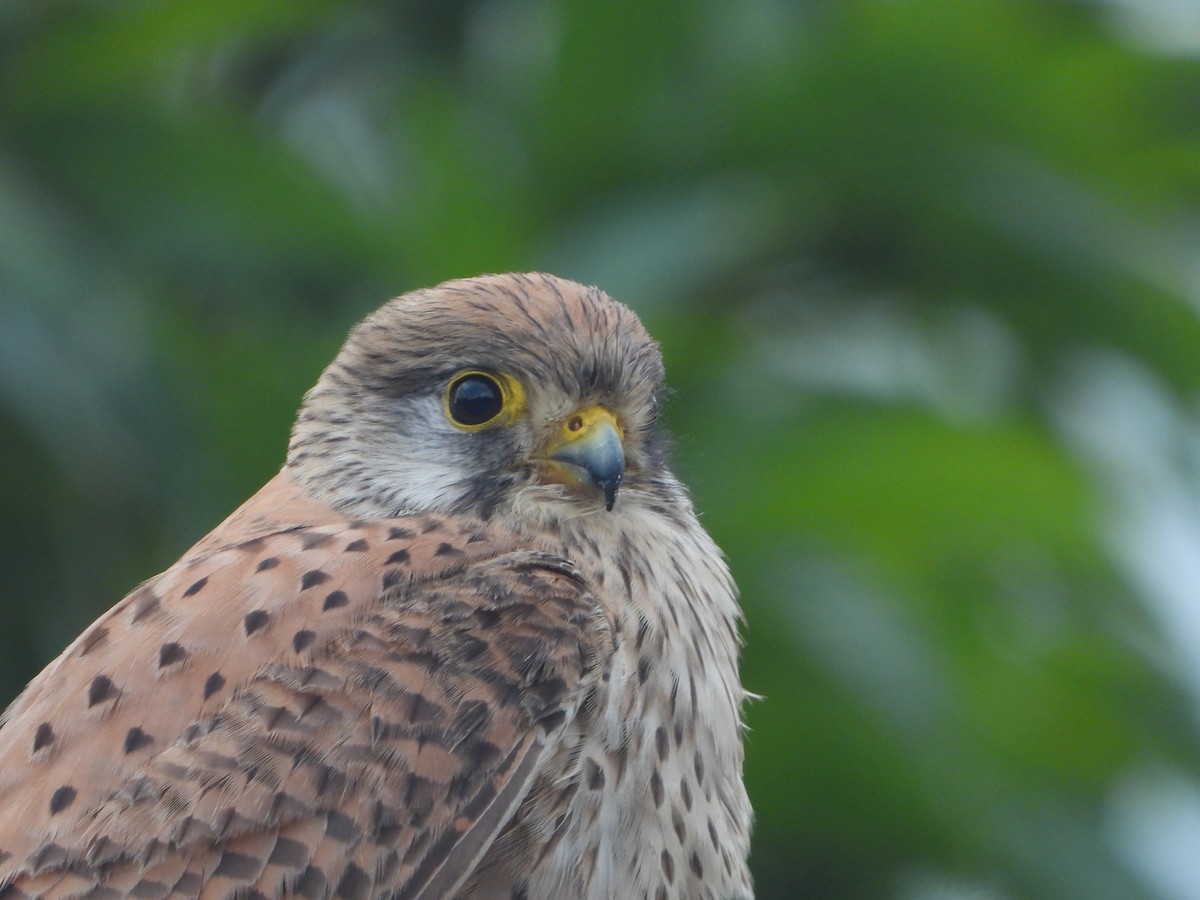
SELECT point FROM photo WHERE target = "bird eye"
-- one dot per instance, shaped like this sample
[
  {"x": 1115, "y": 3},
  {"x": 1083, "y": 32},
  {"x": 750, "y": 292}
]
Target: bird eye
[{"x": 474, "y": 399}]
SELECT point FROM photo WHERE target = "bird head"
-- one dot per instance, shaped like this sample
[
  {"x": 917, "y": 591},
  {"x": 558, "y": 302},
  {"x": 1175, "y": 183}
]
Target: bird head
[{"x": 521, "y": 393}]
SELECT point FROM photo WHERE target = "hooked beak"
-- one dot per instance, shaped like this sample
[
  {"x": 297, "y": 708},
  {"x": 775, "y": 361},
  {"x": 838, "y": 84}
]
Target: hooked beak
[{"x": 587, "y": 450}]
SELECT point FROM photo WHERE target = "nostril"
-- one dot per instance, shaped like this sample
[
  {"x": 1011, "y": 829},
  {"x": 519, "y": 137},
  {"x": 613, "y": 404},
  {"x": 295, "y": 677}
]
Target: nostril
[{"x": 574, "y": 423}]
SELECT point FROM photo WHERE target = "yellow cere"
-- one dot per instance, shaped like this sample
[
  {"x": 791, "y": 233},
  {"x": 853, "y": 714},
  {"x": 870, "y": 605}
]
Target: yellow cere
[{"x": 581, "y": 423}]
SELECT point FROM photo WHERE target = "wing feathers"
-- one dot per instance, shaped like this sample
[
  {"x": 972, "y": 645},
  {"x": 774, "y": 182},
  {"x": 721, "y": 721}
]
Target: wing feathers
[{"x": 372, "y": 743}]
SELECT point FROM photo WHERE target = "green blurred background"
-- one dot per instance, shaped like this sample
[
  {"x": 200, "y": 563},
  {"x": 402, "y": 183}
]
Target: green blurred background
[{"x": 927, "y": 279}]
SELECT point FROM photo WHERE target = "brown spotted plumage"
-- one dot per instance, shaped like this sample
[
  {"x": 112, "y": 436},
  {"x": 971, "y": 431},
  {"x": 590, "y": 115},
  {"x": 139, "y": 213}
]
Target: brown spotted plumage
[{"x": 471, "y": 642}]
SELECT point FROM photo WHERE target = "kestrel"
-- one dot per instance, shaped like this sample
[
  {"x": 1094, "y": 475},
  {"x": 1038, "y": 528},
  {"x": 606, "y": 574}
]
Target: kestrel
[{"x": 470, "y": 642}]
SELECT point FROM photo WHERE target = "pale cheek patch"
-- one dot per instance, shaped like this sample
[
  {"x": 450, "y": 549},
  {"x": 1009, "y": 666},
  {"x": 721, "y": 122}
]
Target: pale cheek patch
[{"x": 436, "y": 471}]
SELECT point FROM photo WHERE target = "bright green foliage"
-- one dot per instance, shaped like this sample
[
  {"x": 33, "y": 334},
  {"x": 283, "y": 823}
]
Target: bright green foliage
[{"x": 925, "y": 275}]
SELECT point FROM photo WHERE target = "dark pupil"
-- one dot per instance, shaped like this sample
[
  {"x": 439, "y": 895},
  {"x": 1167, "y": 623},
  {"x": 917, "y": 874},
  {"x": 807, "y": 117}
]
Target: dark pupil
[{"x": 475, "y": 399}]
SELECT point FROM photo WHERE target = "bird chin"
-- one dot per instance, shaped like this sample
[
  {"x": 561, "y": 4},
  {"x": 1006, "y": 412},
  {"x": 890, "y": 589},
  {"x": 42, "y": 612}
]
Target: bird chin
[{"x": 545, "y": 501}]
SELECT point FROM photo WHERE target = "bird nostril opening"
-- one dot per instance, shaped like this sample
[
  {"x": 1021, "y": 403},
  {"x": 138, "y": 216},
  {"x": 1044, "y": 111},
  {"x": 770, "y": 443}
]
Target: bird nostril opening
[{"x": 574, "y": 423}]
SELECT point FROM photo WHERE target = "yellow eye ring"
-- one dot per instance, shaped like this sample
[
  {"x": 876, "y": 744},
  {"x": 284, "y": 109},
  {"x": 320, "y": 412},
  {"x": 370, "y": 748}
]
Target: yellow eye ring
[{"x": 475, "y": 399}]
